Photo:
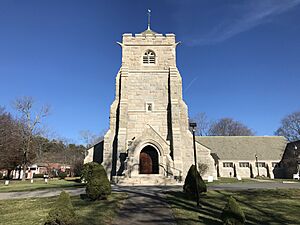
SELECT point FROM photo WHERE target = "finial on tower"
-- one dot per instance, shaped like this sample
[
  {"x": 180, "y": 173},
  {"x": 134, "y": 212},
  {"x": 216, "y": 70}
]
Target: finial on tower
[
  {"x": 148, "y": 31},
  {"x": 149, "y": 15}
]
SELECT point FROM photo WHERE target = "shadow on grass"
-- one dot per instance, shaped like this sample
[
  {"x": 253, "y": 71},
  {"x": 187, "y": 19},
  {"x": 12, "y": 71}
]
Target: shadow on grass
[
  {"x": 268, "y": 207},
  {"x": 144, "y": 205},
  {"x": 98, "y": 212},
  {"x": 206, "y": 214}
]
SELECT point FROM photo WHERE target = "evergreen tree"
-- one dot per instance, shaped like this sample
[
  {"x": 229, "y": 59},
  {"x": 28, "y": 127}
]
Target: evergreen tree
[
  {"x": 87, "y": 169},
  {"x": 98, "y": 186},
  {"x": 192, "y": 179},
  {"x": 62, "y": 212},
  {"x": 232, "y": 214}
]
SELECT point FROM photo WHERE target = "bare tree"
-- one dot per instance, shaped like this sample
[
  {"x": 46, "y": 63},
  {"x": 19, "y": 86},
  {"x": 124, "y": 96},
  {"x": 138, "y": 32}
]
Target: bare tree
[
  {"x": 2, "y": 110},
  {"x": 87, "y": 137},
  {"x": 76, "y": 157},
  {"x": 40, "y": 145},
  {"x": 65, "y": 150},
  {"x": 202, "y": 168},
  {"x": 90, "y": 139},
  {"x": 30, "y": 123},
  {"x": 290, "y": 127},
  {"x": 10, "y": 142},
  {"x": 203, "y": 124},
  {"x": 229, "y": 127}
]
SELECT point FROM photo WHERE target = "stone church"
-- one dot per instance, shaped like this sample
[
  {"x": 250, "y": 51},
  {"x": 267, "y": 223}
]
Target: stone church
[{"x": 149, "y": 141}]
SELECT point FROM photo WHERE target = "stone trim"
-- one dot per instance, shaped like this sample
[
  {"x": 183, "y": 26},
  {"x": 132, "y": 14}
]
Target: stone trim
[{"x": 148, "y": 71}]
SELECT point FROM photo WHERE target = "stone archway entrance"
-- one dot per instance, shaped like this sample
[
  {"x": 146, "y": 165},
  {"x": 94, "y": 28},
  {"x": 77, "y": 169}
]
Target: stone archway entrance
[{"x": 149, "y": 161}]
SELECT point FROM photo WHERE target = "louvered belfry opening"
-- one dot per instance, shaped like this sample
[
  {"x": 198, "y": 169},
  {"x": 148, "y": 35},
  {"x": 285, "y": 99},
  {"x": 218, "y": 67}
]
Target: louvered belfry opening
[{"x": 149, "y": 57}]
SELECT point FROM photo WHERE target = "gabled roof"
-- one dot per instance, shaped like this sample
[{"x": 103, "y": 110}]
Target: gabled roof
[{"x": 245, "y": 147}]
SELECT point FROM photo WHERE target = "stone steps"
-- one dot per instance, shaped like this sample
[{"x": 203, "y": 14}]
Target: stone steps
[{"x": 145, "y": 180}]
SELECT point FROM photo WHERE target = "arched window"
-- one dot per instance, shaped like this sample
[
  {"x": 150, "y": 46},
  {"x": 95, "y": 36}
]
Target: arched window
[{"x": 149, "y": 57}]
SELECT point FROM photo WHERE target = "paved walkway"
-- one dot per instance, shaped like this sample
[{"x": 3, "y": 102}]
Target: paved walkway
[{"x": 145, "y": 206}]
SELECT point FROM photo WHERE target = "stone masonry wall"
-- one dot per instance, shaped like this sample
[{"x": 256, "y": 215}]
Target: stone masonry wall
[
  {"x": 143, "y": 88},
  {"x": 166, "y": 124}
]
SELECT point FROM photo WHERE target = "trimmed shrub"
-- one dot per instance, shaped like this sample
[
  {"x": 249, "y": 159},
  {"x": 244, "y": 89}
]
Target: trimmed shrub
[
  {"x": 192, "y": 179},
  {"x": 86, "y": 172},
  {"x": 232, "y": 214},
  {"x": 62, "y": 212},
  {"x": 98, "y": 186},
  {"x": 62, "y": 175}
]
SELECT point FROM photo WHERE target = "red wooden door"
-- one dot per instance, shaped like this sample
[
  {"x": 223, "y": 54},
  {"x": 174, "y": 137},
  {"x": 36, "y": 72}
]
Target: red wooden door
[{"x": 145, "y": 163}]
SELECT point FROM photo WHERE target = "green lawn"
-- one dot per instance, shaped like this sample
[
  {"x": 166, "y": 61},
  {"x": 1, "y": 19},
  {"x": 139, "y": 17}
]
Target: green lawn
[
  {"x": 265, "y": 207},
  {"x": 38, "y": 184},
  {"x": 227, "y": 180},
  {"x": 33, "y": 211}
]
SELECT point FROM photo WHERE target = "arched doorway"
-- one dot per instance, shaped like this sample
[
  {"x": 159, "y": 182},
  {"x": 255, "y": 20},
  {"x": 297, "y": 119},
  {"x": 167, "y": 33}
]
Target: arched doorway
[{"x": 149, "y": 160}]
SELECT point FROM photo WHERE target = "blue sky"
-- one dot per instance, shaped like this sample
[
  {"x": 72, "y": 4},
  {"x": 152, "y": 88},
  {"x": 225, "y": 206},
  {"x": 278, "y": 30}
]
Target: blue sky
[{"x": 238, "y": 59}]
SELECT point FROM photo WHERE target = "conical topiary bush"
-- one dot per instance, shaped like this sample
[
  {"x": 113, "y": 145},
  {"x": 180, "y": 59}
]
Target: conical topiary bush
[
  {"x": 87, "y": 169},
  {"x": 62, "y": 212},
  {"x": 98, "y": 186},
  {"x": 232, "y": 214},
  {"x": 192, "y": 179}
]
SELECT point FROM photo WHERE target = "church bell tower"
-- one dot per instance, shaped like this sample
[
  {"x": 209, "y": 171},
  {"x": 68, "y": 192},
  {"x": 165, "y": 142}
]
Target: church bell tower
[{"x": 148, "y": 135}]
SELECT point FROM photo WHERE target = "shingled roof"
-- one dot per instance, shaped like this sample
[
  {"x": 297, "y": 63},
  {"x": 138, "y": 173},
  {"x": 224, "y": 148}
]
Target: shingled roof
[{"x": 245, "y": 147}]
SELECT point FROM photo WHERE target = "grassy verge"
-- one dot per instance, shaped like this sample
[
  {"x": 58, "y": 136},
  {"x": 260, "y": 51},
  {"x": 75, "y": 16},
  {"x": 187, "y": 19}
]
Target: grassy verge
[
  {"x": 33, "y": 211},
  {"x": 38, "y": 184},
  {"x": 260, "y": 206},
  {"x": 227, "y": 180}
]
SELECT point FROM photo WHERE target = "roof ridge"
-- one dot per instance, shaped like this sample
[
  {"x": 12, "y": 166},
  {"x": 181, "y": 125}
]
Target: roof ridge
[{"x": 240, "y": 136}]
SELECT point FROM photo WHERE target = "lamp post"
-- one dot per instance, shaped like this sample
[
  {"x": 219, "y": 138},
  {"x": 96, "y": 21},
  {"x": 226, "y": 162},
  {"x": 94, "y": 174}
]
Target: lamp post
[
  {"x": 297, "y": 157},
  {"x": 193, "y": 126},
  {"x": 257, "y": 165}
]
